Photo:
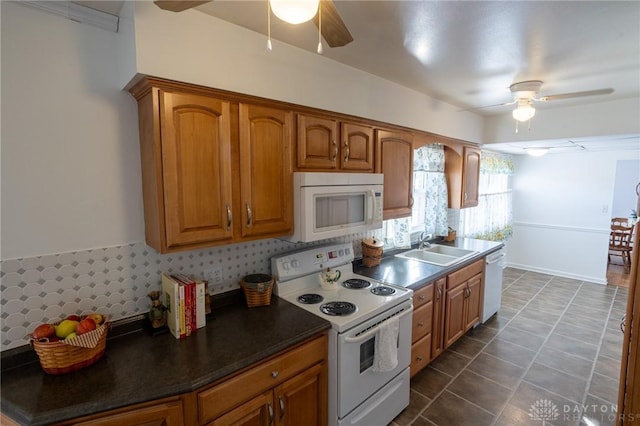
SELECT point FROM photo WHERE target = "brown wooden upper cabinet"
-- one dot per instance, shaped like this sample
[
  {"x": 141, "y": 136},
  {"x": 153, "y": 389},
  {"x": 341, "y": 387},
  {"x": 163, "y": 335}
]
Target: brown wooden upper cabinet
[
  {"x": 214, "y": 171},
  {"x": 463, "y": 176},
  {"x": 329, "y": 144},
  {"x": 394, "y": 158},
  {"x": 266, "y": 178}
]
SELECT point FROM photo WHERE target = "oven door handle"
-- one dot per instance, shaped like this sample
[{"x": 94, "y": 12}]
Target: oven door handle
[{"x": 368, "y": 334}]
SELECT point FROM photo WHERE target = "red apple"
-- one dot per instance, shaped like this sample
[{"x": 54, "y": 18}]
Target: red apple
[
  {"x": 73, "y": 317},
  {"x": 85, "y": 326},
  {"x": 96, "y": 317},
  {"x": 43, "y": 330}
]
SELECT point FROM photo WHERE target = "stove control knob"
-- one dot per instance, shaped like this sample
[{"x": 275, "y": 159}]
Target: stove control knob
[{"x": 295, "y": 263}]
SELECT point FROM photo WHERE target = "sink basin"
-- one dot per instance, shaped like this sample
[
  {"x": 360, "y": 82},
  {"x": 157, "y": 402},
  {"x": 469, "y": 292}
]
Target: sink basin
[{"x": 438, "y": 255}]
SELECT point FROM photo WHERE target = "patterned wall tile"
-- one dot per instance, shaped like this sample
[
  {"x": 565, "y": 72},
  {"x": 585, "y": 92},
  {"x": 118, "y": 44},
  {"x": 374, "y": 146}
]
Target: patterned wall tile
[{"x": 116, "y": 280}]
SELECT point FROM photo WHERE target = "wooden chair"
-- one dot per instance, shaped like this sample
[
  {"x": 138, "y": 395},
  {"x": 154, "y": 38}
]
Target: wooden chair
[{"x": 620, "y": 241}]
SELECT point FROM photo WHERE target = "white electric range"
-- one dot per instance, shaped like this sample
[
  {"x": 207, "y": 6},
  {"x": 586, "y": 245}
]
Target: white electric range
[{"x": 357, "y": 310}]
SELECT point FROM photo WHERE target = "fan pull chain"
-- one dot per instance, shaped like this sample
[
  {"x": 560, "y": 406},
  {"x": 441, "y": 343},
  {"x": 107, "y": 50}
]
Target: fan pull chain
[
  {"x": 320, "y": 28},
  {"x": 269, "y": 46}
]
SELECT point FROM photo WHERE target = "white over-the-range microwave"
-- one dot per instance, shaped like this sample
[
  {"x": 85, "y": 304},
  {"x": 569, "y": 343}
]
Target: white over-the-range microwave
[{"x": 328, "y": 205}]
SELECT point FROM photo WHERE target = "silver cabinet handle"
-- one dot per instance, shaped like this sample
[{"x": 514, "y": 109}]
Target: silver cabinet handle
[
  {"x": 281, "y": 407},
  {"x": 229, "y": 217},
  {"x": 439, "y": 293},
  {"x": 623, "y": 324},
  {"x": 421, "y": 297},
  {"x": 270, "y": 407},
  {"x": 249, "y": 216},
  {"x": 346, "y": 151},
  {"x": 420, "y": 324},
  {"x": 275, "y": 374},
  {"x": 419, "y": 358},
  {"x": 335, "y": 149}
]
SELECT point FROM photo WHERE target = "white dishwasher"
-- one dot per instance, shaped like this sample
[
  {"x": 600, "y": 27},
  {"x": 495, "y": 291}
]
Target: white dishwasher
[{"x": 493, "y": 283}]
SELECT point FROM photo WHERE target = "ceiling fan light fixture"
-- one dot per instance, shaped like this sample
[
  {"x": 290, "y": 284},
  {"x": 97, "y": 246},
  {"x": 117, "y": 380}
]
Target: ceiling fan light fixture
[
  {"x": 524, "y": 112},
  {"x": 294, "y": 11},
  {"x": 536, "y": 152}
]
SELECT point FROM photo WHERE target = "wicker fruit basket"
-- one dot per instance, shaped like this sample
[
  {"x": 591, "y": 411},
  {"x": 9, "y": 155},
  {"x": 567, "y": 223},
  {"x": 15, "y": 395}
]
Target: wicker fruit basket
[
  {"x": 372, "y": 249},
  {"x": 257, "y": 289},
  {"x": 65, "y": 356}
]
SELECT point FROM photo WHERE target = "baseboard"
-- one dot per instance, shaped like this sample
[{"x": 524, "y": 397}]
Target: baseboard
[{"x": 558, "y": 273}]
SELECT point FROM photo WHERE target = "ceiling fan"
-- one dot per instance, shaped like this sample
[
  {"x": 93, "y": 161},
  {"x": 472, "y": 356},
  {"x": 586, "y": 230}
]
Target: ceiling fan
[{"x": 332, "y": 27}]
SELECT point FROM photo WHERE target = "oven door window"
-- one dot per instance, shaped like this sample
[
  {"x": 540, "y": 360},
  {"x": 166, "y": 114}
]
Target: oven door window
[
  {"x": 339, "y": 210},
  {"x": 367, "y": 352}
]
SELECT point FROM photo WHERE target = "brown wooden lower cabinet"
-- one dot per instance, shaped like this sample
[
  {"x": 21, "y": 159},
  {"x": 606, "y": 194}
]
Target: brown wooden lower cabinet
[
  {"x": 443, "y": 311},
  {"x": 168, "y": 413}
]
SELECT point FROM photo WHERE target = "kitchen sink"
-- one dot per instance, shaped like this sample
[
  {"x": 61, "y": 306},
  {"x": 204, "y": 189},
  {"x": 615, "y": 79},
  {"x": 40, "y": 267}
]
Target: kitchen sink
[{"x": 438, "y": 255}]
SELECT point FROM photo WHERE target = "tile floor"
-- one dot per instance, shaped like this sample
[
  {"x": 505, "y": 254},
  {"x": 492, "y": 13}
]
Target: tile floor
[{"x": 551, "y": 354}]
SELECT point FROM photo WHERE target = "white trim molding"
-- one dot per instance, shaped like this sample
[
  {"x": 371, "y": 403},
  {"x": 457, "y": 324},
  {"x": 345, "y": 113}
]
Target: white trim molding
[
  {"x": 78, "y": 13},
  {"x": 564, "y": 274}
]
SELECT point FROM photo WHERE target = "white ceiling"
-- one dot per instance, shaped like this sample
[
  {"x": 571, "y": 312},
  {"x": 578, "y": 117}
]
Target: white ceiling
[{"x": 468, "y": 53}]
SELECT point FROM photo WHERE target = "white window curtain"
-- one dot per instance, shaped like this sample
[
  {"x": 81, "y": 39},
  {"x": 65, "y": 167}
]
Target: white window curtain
[
  {"x": 429, "y": 213},
  {"x": 492, "y": 218}
]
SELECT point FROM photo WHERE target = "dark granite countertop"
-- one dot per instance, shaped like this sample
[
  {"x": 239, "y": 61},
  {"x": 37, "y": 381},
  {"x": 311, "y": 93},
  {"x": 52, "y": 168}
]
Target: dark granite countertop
[
  {"x": 415, "y": 274},
  {"x": 138, "y": 368}
]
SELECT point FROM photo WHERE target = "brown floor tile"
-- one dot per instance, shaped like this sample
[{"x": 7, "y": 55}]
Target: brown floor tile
[
  {"x": 467, "y": 346},
  {"x": 609, "y": 367},
  {"x": 596, "y": 324},
  {"x": 528, "y": 395},
  {"x": 501, "y": 372},
  {"x": 513, "y": 416},
  {"x": 417, "y": 403},
  {"x": 612, "y": 343},
  {"x": 605, "y": 388},
  {"x": 585, "y": 334},
  {"x": 600, "y": 412},
  {"x": 532, "y": 326},
  {"x": 555, "y": 307},
  {"x": 539, "y": 315},
  {"x": 521, "y": 338},
  {"x": 482, "y": 333},
  {"x": 498, "y": 322},
  {"x": 449, "y": 409},
  {"x": 450, "y": 362},
  {"x": 572, "y": 346},
  {"x": 570, "y": 364},
  {"x": 587, "y": 311},
  {"x": 480, "y": 391},
  {"x": 430, "y": 382},
  {"x": 421, "y": 421},
  {"x": 510, "y": 352},
  {"x": 570, "y": 387}
]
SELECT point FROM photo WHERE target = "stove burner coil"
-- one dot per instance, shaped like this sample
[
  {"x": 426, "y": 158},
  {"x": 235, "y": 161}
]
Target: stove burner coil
[
  {"x": 383, "y": 290},
  {"x": 338, "y": 308},
  {"x": 356, "y": 283},
  {"x": 310, "y": 298}
]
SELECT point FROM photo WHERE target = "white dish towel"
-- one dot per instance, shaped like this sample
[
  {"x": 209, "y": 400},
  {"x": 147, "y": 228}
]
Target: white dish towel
[{"x": 386, "y": 347}]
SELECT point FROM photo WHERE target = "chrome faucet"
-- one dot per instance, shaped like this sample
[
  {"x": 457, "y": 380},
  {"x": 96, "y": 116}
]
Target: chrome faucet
[{"x": 424, "y": 243}]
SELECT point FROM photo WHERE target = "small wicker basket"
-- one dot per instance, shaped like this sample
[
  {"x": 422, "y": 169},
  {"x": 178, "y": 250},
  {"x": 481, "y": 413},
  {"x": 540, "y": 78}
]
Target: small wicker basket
[
  {"x": 63, "y": 357},
  {"x": 371, "y": 252},
  {"x": 257, "y": 289}
]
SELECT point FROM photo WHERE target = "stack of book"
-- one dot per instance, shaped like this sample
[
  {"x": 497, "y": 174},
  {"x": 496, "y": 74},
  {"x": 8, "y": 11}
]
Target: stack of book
[{"x": 184, "y": 299}]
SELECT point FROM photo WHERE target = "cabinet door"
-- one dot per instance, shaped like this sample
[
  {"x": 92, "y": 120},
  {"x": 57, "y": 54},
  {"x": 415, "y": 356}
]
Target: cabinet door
[
  {"x": 266, "y": 178},
  {"x": 356, "y": 147},
  {"x": 474, "y": 301},
  {"x": 258, "y": 411},
  {"x": 470, "y": 176},
  {"x": 302, "y": 400},
  {"x": 196, "y": 168},
  {"x": 454, "y": 323},
  {"x": 317, "y": 145},
  {"x": 168, "y": 414},
  {"x": 437, "y": 325},
  {"x": 394, "y": 158}
]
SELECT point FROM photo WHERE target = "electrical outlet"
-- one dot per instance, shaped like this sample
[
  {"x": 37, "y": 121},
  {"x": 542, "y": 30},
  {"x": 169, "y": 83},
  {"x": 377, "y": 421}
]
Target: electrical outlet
[{"x": 214, "y": 275}]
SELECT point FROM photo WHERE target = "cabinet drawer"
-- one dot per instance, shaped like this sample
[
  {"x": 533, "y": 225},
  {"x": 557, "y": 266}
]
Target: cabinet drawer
[
  {"x": 227, "y": 395},
  {"x": 422, "y": 295},
  {"x": 456, "y": 278},
  {"x": 421, "y": 324},
  {"x": 420, "y": 354}
]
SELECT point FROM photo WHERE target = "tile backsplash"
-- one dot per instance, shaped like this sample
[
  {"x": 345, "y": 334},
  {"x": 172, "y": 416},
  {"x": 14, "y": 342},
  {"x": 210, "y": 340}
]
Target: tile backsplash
[{"x": 116, "y": 280}]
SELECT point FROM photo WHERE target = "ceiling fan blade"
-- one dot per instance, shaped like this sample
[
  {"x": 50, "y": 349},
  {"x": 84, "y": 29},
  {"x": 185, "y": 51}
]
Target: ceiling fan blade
[
  {"x": 334, "y": 31},
  {"x": 575, "y": 95},
  {"x": 178, "y": 5},
  {"x": 489, "y": 106}
]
